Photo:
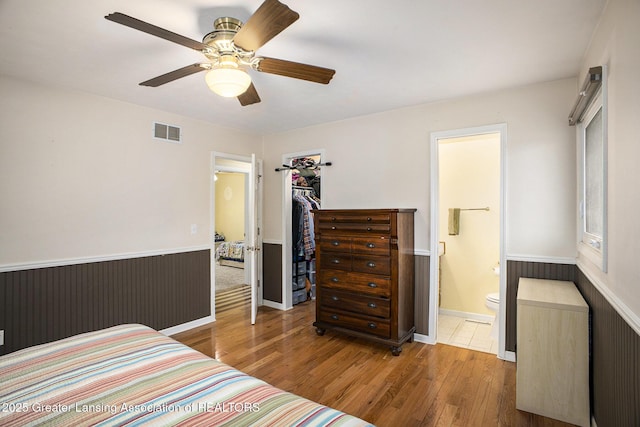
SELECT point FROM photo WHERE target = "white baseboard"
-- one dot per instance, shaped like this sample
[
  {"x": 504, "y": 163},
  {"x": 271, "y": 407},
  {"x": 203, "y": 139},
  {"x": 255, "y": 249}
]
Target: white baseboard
[
  {"x": 272, "y": 304},
  {"x": 509, "y": 356},
  {"x": 425, "y": 339},
  {"x": 486, "y": 318},
  {"x": 186, "y": 326}
]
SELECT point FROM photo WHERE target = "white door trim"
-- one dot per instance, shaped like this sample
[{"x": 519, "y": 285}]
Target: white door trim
[{"x": 434, "y": 265}]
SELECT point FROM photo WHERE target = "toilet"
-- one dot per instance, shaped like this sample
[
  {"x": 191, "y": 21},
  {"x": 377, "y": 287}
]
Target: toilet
[{"x": 492, "y": 301}]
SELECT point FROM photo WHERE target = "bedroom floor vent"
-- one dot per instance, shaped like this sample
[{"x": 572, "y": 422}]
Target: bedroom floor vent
[{"x": 167, "y": 133}]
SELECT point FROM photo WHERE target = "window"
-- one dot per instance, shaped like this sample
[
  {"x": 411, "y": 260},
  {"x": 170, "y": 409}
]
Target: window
[{"x": 594, "y": 180}]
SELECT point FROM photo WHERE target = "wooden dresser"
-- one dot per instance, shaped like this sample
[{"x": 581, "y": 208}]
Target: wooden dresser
[{"x": 365, "y": 274}]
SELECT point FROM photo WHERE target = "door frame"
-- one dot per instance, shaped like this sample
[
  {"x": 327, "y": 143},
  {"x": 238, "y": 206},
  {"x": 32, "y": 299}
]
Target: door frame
[
  {"x": 434, "y": 265},
  {"x": 287, "y": 247},
  {"x": 212, "y": 212}
]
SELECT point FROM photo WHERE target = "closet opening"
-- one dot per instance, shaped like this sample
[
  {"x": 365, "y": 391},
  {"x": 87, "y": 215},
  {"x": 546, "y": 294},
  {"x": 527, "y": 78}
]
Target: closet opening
[{"x": 302, "y": 174}]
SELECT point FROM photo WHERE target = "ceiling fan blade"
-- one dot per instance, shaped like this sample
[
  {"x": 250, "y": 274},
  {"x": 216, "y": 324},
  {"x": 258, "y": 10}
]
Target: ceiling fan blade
[
  {"x": 174, "y": 75},
  {"x": 296, "y": 70},
  {"x": 250, "y": 96},
  {"x": 267, "y": 22},
  {"x": 145, "y": 27}
]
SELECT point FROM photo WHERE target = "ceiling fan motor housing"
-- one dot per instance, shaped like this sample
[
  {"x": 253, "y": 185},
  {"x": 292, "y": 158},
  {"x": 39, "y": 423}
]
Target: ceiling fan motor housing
[{"x": 220, "y": 40}]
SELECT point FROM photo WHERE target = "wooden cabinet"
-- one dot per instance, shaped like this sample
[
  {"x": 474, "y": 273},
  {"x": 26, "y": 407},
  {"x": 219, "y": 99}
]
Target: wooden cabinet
[
  {"x": 552, "y": 377},
  {"x": 365, "y": 281}
]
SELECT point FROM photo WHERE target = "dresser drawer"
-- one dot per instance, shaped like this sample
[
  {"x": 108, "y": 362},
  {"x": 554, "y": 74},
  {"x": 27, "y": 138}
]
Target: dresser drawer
[
  {"x": 365, "y": 304},
  {"x": 370, "y": 284},
  {"x": 372, "y": 218},
  {"x": 367, "y": 325},
  {"x": 355, "y": 227},
  {"x": 336, "y": 260},
  {"x": 374, "y": 245},
  {"x": 335, "y": 244},
  {"x": 371, "y": 264}
]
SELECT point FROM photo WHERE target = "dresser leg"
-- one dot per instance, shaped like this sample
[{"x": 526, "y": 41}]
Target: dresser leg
[
  {"x": 396, "y": 350},
  {"x": 320, "y": 331}
]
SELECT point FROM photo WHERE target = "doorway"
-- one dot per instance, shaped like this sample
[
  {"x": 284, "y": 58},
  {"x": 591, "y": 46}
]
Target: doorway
[
  {"x": 232, "y": 276},
  {"x": 235, "y": 238},
  {"x": 467, "y": 238}
]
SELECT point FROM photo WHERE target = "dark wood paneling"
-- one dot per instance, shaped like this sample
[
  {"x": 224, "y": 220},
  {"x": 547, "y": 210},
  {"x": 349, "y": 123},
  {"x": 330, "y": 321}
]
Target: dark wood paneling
[
  {"x": 533, "y": 270},
  {"x": 46, "y": 304},
  {"x": 614, "y": 345},
  {"x": 272, "y": 272},
  {"x": 421, "y": 310},
  {"x": 614, "y": 362}
]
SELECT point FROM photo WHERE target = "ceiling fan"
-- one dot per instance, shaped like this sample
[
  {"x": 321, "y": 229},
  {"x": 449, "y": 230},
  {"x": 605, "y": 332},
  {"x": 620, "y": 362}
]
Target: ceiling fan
[{"x": 230, "y": 50}]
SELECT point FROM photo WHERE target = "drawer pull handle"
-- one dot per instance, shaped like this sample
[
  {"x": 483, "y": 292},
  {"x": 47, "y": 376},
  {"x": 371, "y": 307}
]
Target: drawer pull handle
[
  {"x": 335, "y": 243},
  {"x": 335, "y": 279},
  {"x": 371, "y": 245},
  {"x": 333, "y": 218},
  {"x": 335, "y": 261},
  {"x": 334, "y": 316},
  {"x": 333, "y": 227},
  {"x": 372, "y": 325},
  {"x": 335, "y": 298},
  {"x": 371, "y": 264},
  {"x": 372, "y": 305},
  {"x": 372, "y": 285},
  {"x": 368, "y": 218}
]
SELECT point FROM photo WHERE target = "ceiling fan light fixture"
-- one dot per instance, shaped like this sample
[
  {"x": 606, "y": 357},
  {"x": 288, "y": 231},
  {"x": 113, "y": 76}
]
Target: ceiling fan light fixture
[{"x": 228, "y": 82}]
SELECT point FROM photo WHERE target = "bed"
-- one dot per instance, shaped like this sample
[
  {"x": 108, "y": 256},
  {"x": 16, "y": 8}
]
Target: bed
[
  {"x": 231, "y": 253},
  {"x": 134, "y": 375}
]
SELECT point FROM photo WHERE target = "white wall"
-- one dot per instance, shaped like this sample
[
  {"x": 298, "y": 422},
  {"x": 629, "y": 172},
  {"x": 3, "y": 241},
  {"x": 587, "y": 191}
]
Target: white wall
[
  {"x": 616, "y": 43},
  {"x": 81, "y": 176},
  {"x": 382, "y": 161}
]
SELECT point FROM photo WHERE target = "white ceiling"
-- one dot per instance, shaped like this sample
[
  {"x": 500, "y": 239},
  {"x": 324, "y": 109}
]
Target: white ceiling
[{"x": 387, "y": 54}]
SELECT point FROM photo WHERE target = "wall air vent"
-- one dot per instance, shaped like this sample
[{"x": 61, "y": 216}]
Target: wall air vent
[{"x": 167, "y": 133}]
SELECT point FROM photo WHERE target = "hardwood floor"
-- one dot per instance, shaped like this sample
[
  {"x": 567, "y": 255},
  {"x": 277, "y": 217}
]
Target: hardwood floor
[{"x": 427, "y": 385}]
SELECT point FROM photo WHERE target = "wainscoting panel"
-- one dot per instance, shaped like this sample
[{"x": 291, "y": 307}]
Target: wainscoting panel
[
  {"x": 615, "y": 361},
  {"x": 46, "y": 304},
  {"x": 533, "y": 270},
  {"x": 422, "y": 294},
  {"x": 272, "y": 272}
]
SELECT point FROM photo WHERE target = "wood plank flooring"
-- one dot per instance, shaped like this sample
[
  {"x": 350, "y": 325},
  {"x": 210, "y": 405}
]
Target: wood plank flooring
[
  {"x": 233, "y": 298},
  {"x": 427, "y": 385}
]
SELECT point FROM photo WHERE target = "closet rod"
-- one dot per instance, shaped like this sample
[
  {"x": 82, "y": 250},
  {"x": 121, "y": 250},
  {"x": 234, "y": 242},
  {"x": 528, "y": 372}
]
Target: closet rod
[
  {"x": 288, "y": 167},
  {"x": 476, "y": 209}
]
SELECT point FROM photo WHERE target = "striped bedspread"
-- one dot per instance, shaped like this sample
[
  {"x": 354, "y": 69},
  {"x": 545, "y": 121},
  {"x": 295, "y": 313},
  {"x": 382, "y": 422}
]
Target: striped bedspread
[{"x": 133, "y": 375}]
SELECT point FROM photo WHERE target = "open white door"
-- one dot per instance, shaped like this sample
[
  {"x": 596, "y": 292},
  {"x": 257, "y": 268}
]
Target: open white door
[{"x": 255, "y": 240}]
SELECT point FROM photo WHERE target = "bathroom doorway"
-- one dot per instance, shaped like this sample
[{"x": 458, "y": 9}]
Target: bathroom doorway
[{"x": 468, "y": 234}]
